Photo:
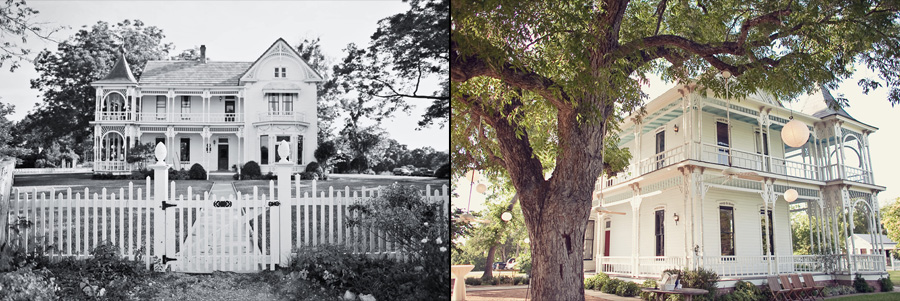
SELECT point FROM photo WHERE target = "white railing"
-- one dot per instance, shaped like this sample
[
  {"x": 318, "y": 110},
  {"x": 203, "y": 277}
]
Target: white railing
[
  {"x": 737, "y": 266},
  {"x": 113, "y": 116},
  {"x": 868, "y": 263},
  {"x": 616, "y": 264},
  {"x": 152, "y": 117},
  {"x": 35, "y": 171},
  {"x": 282, "y": 116},
  {"x": 800, "y": 264},
  {"x": 720, "y": 155},
  {"x": 225, "y": 117},
  {"x": 110, "y": 166},
  {"x": 188, "y": 117},
  {"x": 653, "y": 266},
  {"x": 857, "y": 174},
  {"x": 663, "y": 159},
  {"x": 795, "y": 169}
]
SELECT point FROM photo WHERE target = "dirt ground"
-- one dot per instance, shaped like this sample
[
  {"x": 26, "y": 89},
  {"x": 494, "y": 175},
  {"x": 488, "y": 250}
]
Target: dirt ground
[{"x": 510, "y": 295}]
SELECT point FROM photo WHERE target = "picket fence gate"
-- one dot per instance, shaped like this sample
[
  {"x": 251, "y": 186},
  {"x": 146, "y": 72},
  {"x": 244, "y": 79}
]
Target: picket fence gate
[{"x": 196, "y": 233}]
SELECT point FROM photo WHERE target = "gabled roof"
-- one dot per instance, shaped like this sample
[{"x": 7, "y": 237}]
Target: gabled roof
[
  {"x": 193, "y": 73},
  {"x": 868, "y": 238},
  {"x": 821, "y": 104},
  {"x": 120, "y": 73},
  {"x": 317, "y": 77}
]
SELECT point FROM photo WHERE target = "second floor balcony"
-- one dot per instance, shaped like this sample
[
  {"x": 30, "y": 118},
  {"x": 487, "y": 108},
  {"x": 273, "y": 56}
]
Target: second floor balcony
[
  {"x": 719, "y": 155},
  {"x": 171, "y": 117},
  {"x": 283, "y": 116}
]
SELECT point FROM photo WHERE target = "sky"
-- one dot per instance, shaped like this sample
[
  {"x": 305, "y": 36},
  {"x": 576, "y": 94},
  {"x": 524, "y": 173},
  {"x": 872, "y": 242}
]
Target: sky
[
  {"x": 231, "y": 31},
  {"x": 872, "y": 109}
]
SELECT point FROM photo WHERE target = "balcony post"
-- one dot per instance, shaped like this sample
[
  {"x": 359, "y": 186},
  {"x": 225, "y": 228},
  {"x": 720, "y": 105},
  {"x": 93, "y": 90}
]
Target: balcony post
[
  {"x": 851, "y": 243},
  {"x": 636, "y": 227},
  {"x": 839, "y": 141},
  {"x": 871, "y": 171},
  {"x": 206, "y": 105}
]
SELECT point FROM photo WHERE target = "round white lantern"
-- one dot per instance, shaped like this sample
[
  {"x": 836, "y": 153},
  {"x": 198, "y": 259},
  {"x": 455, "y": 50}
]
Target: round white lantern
[
  {"x": 160, "y": 152},
  {"x": 790, "y": 195},
  {"x": 795, "y": 133},
  {"x": 527, "y": 240},
  {"x": 481, "y": 188},
  {"x": 506, "y": 216}
]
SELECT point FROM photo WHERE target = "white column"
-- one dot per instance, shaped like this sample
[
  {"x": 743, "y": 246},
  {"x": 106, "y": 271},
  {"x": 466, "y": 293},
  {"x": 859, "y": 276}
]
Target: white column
[
  {"x": 636, "y": 228},
  {"x": 160, "y": 187},
  {"x": 838, "y": 136},
  {"x": 869, "y": 158},
  {"x": 767, "y": 187},
  {"x": 851, "y": 243}
]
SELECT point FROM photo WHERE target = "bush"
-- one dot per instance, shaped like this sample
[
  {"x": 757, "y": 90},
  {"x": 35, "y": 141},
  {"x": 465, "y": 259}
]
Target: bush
[
  {"x": 197, "y": 172},
  {"x": 443, "y": 172},
  {"x": 838, "y": 290},
  {"x": 886, "y": 284},
  {"x": 745, "y": 291},
  {"x": 308, "y": 175},
  {"x": 627, "y": 289},
  {"x": 251, "y": 171},
  {"x": 142, "y": 174},
  {"x": 700, "y": 278},
  {"x": 473, "y": 281},
  {"x": 861, "y": 285},
  {"x": 178, "y": 174},
  {"x": 520, "y": 280},
  {"x": 313, "y": 167},
  {"x": 505, "y": 280},
  {"x": 26, "y": 284},
  {"x": 649, "y": 283},
  {"x": 108, "y": 176},
  {"x": 105, "y": 270},
  {"x": 611, "y": 286},
  {"x": 596, "y": 282}
]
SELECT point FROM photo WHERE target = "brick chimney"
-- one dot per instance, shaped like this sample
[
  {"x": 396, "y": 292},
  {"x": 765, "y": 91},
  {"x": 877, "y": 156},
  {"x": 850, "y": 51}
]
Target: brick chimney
[{"x": 203, "y": 54}]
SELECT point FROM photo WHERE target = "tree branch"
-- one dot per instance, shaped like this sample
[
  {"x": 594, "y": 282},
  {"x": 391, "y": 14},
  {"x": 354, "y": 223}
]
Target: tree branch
[
  {"x": 770, "y": 18},
  {"x": 465, "y": 67},
  {"x": 660, "y": 10}
]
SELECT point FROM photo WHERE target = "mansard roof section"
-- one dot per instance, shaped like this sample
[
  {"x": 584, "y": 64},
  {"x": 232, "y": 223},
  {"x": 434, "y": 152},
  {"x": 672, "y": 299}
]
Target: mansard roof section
[
  {"x": 281, "y": 49},
  {"x": 120, "y": 72},
  {"x": 193, "y": 73}
]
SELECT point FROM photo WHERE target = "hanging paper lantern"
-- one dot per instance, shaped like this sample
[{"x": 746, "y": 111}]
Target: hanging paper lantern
[
  {"x": 481, "y": 188},
  {"x": 506, "y": 216},
  {"x": 795, "y": 133},
  {"x": 472, "y": 176},
  {"x": 790, "y": 195},
  {"x": 526, "y": 240}
]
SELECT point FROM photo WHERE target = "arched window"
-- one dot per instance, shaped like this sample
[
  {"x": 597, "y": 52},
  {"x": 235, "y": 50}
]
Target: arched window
[{"x": 112, "y": 147}]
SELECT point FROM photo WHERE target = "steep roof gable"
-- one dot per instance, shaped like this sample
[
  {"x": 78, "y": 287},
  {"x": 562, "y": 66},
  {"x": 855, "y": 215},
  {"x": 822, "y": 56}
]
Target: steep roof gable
[
  {"x": 120, "y": 72},
  {"x": 281, "y": 48},
  {"x": 822, "y": 104}
]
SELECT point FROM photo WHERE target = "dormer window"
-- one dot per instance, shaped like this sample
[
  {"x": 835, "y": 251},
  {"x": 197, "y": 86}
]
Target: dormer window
[{"x": 282, "y": 71}]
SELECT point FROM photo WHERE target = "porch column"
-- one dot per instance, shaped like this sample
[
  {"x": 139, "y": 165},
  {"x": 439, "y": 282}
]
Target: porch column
[
  {"x": 636, "y": 227},
  {"x": 869, "y": 157},
  {"x": 170, "y": 137},
  {"x": 814, "y": 155},
  {"x": 839, "y": 143},
  {"x": 766, "y": 194},
  {"x": 877, "y": 220},
  {"x": 851, "y": 244},
  {"x": 170, "y": 108}
]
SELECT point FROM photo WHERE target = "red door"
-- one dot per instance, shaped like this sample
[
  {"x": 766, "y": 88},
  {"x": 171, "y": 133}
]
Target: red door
[{"x": 606, "y": 244}]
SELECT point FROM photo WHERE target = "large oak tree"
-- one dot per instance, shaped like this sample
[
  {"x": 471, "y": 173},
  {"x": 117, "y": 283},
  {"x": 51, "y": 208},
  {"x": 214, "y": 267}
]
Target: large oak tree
[{"x": 533, "y": 76}]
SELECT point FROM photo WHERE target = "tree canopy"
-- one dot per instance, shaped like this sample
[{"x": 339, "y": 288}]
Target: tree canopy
[
  {"x": 16, "y": 23},
  {"x": 550, "y": 81},
  {"x": 65, "y": 76}
]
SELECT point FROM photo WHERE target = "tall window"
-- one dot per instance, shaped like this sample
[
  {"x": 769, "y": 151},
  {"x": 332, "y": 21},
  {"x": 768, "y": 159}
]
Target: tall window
[
  {"x": 762, "y": 147},
  {"x": 726, "y": 229},
  {"x": 278, "y": 139},
  {"x": 160, "y": 107},
  {"x": 299, "y": 149},
  {"x": 185, "y": 149},
  {"x": 264, "y": 149},
  {"x": 660, "y": 148},
  {"x": 768, "y": 236},
  {"x": 660, "y": 233},
  {"x": 185, "y": 107},
  {"x": 273, "y": 102},
  {"x": 589, "y": 240},
  {"x": 722, "y": 141},
  {"x": 287, "y": 102},
  {"x": 280, "y": 102},
  {"x": 283, "y": 72}
]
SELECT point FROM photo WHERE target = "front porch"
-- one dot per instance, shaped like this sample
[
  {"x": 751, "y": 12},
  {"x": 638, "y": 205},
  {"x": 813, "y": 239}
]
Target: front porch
[{"x": 738, "y": 267}]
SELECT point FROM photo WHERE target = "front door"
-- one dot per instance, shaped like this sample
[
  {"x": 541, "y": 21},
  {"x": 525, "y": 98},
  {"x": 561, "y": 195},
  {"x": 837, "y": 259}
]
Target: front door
[
  {"x": 229, "y": 111},
  {"x": 223, "y": 157},
  {"x": 606, "y": 244}
]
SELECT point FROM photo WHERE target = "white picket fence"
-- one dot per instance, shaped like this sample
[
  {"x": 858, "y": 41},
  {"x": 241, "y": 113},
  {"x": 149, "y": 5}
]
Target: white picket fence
[{"x": 189, "y": 232}]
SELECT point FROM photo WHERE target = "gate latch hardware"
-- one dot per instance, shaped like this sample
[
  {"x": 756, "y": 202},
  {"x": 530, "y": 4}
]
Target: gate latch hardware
[
  {"x": 220, "y": 204},
  {"x": 274, "y": 204},
  {"x": 166, "y": 259},
  {"x": 167, "y": 205}
]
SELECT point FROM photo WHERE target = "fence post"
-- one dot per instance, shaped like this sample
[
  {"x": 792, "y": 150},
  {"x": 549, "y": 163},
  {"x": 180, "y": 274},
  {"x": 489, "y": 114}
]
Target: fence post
[
  {"x": 160, "y": 195},
  {"x": 283, "y": 170},
  {"x": 6, "y": 177}
]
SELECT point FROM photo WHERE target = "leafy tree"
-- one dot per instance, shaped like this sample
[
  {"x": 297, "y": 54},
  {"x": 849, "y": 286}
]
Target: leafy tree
[
  {"x": 310, "y": 50},
  {"x": 325, "y": 152},
  {"x": 192, "y": 54},
  {"x": 890, "y": 219},
  {"x": 140, "y": 153},
  {"x": 16, "y": 23},
  {"x": 8, "y": 146},
  {"x": 414, "y": 44},
  {"x": 800, "y": 233},
  {"x": 490, "y": 236},
  {"x": 528, "y": 73},
  {"x": 65, "y": 76}
]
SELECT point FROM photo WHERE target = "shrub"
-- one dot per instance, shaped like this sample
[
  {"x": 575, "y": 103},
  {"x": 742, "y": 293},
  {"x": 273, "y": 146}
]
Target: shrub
[
  {"x": 745, "y": 291},
  {"x": 886, "y": 284},
  {"x": 142, "y": 174},
  {"x": 611, "y": 286},
  {"x": 700, "y": 278},
  {"x": 313, "y": 167},
  {"x": 627, "y": 289},
  {"x": 308, "y": 175},
  {"x": 251, "y": 171},
  {"x": 838, "y": 290},
  {"x": 520, "y": 280},
  {"x": 861, "y": 285},
  {"x": 473, "y": 281},
  {"x": 443, "y": 172},
  {"x": 27, "y": 284},
  {"x": 197, "y": 172},
  {"x": 649, "y": 283},
  {"x": 105, "y": 270},
  {"x": 591, "y": 283},
  {"x": 505, "y": 279}
]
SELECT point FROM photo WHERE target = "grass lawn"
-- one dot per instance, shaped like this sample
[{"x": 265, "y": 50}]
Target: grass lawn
[
  {"x": 355, "y": 182},
  {"x": 895, "y": 275},
  {"x": 78, "y": 182},
  {"x": 870, "y": 297}
]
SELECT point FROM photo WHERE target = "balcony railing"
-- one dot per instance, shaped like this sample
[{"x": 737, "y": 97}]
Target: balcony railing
[
  {"x": 743, "y": 266},
  {"x": 110, "y": 166},
  {"x": 738, "y": 158},
  {"x": 653, "y": 266},
  {"x": 282, "y": 116},
  {"x": 616, "y": 264},
  {"x": 113, "y": 116},
  {"x": 190, "y": 117}
]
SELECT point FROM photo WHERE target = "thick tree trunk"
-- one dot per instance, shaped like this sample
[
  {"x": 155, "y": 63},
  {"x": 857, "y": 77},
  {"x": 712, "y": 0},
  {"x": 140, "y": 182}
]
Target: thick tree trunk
[{"x": 489, "y": 263}]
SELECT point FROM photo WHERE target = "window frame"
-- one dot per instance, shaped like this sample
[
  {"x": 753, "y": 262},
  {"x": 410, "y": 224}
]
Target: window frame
[
  {"x": 263, "y": 149},
  {"x": 722, "y": 237},
  {"x": 659, "y": 229},
  {"x": 184, "y": 149},
  {"x": 771, "y": 234},
  {"x": 589, "y": 241}
]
